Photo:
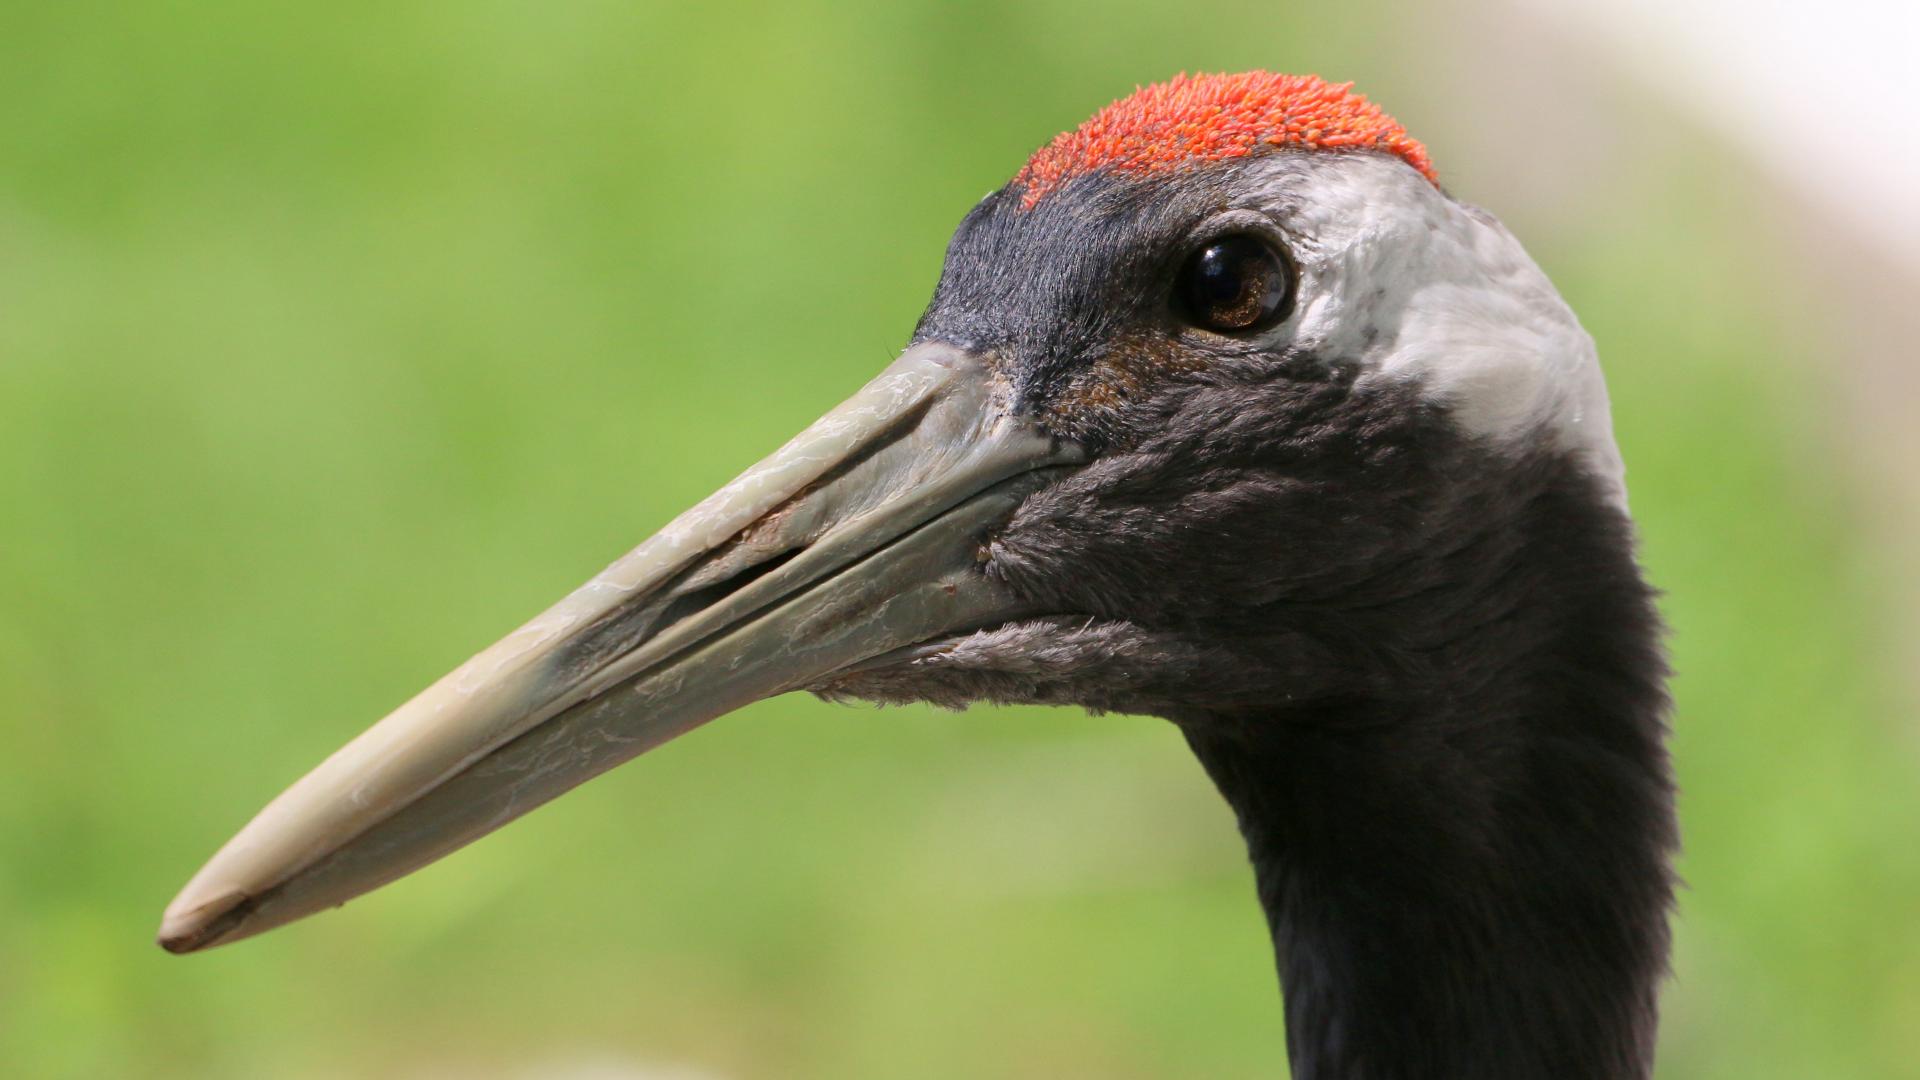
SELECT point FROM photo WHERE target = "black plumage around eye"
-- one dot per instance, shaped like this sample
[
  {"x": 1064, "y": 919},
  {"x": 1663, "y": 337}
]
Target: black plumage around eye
[{"x": 1235, "y": 285}]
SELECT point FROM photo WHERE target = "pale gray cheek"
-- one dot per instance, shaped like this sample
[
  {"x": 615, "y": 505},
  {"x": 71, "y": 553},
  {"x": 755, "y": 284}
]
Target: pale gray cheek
[
  {"x": 1099, "y": 665},
  {"x": 1039, "y": 661},
  {"x": 1421, "y": 288}
]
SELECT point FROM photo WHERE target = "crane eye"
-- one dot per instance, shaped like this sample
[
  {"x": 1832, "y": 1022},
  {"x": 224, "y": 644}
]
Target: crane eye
[{"x": 1234, "y": 285}]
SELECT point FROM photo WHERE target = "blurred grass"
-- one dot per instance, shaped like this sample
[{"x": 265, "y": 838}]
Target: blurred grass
[{"x": 335, "y": 341}]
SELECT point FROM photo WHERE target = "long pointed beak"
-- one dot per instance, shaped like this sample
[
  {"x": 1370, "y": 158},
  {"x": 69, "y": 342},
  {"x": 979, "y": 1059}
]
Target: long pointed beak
[{"x": 858, "y": 537}]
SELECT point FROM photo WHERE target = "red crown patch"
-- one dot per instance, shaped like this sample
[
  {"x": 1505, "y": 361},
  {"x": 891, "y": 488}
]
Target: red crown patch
[{"x": 1198, "y": 118}]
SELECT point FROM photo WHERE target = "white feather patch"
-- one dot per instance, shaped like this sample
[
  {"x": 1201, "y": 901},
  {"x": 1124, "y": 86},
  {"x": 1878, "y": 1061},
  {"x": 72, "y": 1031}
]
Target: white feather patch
[{"x": 1416, "y": 286}]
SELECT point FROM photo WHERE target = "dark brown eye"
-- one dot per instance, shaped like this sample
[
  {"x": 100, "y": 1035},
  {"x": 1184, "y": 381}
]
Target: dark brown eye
[{"x": 1234, "y": 285}]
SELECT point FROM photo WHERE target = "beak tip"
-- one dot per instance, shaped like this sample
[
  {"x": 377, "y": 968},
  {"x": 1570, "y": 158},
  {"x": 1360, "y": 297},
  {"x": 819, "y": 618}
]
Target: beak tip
[{"x": 191, "y": 925}]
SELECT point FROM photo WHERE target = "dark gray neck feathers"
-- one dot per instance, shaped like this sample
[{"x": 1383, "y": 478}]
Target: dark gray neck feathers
[{"x": 1465, "y": 865}]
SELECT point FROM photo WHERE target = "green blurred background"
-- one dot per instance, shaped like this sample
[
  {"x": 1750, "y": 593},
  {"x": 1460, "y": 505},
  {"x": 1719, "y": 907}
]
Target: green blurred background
[{"x": 337, "y": 339}]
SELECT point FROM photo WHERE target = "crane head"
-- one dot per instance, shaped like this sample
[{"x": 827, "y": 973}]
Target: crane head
[{"x": 1214, "y": 364}]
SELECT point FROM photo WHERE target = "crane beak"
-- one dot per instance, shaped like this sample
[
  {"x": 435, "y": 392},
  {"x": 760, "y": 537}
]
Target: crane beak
[{"x": 857, "y": 538}]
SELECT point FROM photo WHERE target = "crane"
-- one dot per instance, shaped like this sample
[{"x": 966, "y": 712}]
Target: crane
[{"x": 1223, "y": 411}]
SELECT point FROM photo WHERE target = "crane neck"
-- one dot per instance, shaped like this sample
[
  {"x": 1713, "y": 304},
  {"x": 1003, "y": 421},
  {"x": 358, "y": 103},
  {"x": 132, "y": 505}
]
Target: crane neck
[{"x": 1465, "y": 865}]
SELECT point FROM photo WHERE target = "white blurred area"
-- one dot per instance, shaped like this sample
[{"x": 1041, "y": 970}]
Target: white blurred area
[
  {"x": 1811, "y": 110},
  {"x": 1825, "y": 95}
]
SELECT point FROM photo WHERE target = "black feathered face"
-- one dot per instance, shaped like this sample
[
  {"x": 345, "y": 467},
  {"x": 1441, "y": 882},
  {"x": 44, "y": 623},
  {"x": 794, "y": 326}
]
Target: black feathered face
[
  {"x": 1268, "y": 473},
  {"x": 1091, "y": 299}
]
